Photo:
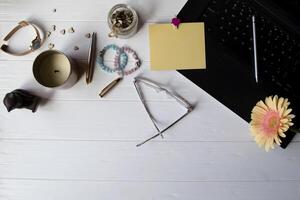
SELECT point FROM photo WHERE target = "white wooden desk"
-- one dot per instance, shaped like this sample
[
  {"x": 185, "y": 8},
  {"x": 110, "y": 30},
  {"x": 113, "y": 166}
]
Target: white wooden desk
[{"x": 78, "y": 146}]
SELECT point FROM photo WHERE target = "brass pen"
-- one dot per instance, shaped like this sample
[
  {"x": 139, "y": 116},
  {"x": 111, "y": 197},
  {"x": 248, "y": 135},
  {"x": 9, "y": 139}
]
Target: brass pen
[
  {"x": 109, "y": 87},
  {"x": 91, "y": 59}
]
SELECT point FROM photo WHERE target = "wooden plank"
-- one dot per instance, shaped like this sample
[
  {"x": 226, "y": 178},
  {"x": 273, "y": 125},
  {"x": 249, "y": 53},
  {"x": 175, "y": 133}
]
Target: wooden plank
[
  {"x": 65, "y": 119},
  {"x": 148, "y": 10},
  {"x": 120, "y": 120},
  {"x": 94, "y": 190},
  {"x": 66, "y": 43},
  {"x": 156, "y": 161}
]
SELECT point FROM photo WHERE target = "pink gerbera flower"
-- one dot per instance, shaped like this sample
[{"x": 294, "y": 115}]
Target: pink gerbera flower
[{"x": 270, "y": 120}]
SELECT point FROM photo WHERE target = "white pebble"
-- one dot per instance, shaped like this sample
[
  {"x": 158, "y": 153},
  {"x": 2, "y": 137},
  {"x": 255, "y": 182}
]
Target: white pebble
[
  {"x": 88, "y": 35},
  {"x": 53, "y": 28},
  {"x": 71, "y": 30},
  {"x": 51, "y": 46},
  {"x": 63, "y": 31}
]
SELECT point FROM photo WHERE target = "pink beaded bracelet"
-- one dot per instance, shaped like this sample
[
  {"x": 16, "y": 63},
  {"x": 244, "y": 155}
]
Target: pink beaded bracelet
[{"x": 137, "y": 64}]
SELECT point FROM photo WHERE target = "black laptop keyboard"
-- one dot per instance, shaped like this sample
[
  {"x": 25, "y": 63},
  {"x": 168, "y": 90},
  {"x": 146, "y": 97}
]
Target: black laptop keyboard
[{"x": 278, "y": 50}]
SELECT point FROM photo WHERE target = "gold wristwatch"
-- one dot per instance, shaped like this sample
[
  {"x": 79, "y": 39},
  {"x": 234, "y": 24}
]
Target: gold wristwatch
[{"x": 35, "y": 43}]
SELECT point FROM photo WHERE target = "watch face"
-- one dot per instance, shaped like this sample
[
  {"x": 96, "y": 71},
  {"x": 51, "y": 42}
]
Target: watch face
[{"x": 35, "y": 44}]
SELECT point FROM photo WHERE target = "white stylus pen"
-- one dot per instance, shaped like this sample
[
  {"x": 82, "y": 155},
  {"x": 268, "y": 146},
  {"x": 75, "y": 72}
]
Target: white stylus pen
[{"x": 254, "y": 48}]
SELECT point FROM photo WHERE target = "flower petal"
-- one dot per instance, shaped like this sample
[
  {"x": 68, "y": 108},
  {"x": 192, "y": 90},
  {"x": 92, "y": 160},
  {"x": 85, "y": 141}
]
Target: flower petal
[
  {"x": 277, "y": 140},
  {"x": 262, "y": 105},
  {"x": 286, "y": 112},
  {"x": 270, "y": 103}
]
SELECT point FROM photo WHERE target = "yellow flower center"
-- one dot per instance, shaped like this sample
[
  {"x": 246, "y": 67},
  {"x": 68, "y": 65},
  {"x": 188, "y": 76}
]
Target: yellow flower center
[{"x": 271, "y": 122}]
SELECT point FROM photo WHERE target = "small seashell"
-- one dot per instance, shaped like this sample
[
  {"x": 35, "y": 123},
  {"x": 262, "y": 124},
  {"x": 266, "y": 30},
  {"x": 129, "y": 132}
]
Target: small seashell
[
  {"x": 71, "y": 30},
  {"x": 53, "y": 27},
  {"x": 76, "y": 48},
  {"x": 51, "y": 46},
  {"x": 48, "y": 33},
  {"x": 63, "y": 31},
  {"x": 88, "y": 35}
]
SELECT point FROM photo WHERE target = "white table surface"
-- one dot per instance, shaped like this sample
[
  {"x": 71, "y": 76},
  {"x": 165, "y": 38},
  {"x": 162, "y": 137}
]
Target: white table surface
[{"x": 78, "y": 146}]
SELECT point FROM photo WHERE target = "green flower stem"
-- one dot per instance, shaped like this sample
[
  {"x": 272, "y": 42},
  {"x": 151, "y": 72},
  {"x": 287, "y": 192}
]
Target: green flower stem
[{"x": 295, "y": 130}]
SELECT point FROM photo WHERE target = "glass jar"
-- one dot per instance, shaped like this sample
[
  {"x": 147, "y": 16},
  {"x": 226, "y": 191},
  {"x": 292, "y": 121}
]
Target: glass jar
[{"x": 122, "y": 21}]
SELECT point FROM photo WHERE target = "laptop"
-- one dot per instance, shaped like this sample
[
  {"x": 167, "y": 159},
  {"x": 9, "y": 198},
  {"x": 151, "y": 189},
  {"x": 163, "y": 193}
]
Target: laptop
[{"x": 230, "y": 75}]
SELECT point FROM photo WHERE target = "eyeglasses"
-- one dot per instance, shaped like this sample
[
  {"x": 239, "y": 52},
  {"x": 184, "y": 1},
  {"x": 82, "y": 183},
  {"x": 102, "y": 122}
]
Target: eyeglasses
[{"x": 158, "y": 88}]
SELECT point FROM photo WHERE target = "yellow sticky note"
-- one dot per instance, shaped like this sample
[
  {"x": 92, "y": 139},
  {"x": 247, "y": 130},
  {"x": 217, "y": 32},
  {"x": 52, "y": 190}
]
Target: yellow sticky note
[{"x": 182, "y": 48}]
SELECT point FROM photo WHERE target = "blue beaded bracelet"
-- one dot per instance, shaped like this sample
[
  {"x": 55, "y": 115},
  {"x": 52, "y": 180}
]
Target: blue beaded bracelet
[{"x": 120, "y": 60}]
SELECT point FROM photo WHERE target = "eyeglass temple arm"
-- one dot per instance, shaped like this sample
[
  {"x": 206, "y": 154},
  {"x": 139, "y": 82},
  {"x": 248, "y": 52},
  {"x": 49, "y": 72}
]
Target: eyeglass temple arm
[
  {"x": 179, "y": 99},
  {"x": 146, "y": 108},
  {"x": 154, "y": 136}
]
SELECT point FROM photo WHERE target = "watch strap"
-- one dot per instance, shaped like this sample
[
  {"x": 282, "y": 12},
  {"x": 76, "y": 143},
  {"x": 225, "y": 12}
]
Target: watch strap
[{"x": 21, "y": 24}]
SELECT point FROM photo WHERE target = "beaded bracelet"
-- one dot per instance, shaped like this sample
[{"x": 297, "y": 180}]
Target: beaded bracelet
[
  {"x": 120, "y": 60},
  {"x": 137, "y": 63}
]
